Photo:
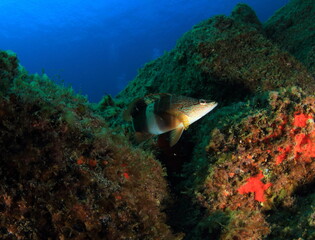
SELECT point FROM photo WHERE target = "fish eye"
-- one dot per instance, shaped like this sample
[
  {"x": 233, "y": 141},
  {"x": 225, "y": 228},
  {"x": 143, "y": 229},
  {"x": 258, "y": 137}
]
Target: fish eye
[{"x": 202, "y": 102}]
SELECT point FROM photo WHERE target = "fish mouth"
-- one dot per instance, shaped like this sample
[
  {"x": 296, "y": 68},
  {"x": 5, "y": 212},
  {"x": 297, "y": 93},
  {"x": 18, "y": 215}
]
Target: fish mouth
[{"x": 201, "y": 110}]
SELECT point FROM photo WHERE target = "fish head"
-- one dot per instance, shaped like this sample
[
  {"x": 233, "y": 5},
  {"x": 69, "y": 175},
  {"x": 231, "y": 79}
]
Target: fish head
[{"x": 195, "y": 109}]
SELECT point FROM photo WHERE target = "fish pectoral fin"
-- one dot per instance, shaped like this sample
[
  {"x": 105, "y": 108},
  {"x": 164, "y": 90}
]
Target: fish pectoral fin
[
  {"x": 141, "y": 137},
  {"x": 169, "y": 139},
  {"x": 175, "y": 135}
]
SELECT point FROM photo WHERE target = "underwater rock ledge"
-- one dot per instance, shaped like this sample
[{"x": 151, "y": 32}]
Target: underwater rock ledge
[
  {"x": 69, "y": 171},
  {"x": 250, "y": 160},
  {"x": 292, "y": 28},
  {"x": 223, "y": 58},
  {"x": 257, "y": 166},
  {"x": 64, "y": 174}
]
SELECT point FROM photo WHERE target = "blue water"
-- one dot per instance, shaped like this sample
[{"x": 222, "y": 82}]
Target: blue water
[{"x": 97, "y": 46}]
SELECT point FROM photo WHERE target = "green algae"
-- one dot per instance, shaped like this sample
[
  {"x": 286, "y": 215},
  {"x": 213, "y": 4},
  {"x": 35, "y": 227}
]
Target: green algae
[
  {"x": 223, "y": 58},
  {"x": 296, "y": 222},
  {"x": 292, "y": 28},
  {"x": 244, "y": 148},
  {"x": 65, "y": 174},
  {"x": 82, "y": 154},
  {"x": 8, "y": 70},
  {"x": 235, "y": 61}
]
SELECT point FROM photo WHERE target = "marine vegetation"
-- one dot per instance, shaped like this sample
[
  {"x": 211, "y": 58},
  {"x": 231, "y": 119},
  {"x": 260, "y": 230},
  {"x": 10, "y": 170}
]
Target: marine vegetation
[
  {"x": 257, "y": 165},
  {"x": 223, "y": 58},
  {"x": 65, "y": 174},
  {"x": 253, "y": 157},
  {"x": 297, "y": 16},
  {"x": 70, "y": 170}
]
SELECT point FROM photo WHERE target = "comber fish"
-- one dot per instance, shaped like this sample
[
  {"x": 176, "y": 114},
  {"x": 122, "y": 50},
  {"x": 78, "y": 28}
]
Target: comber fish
[{"x": 166, "y": 115}]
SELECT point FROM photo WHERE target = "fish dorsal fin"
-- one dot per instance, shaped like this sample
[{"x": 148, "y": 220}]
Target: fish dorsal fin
[
  {"x": 169, "y": 139},
  {"x": 137, "y": 105},
  {"x": 155, "y": 97}
]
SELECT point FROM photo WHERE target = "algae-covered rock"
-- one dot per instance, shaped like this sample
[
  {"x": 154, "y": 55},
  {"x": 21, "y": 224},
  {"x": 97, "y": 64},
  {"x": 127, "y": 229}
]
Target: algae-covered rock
[
  {"x": 8, "y": 70},
  {"x": 258, "y": 164},
  {"x": 246, "y": 171},
  {"x": 293, "y": 29},
  {"x": 223, "y": 58},
  {"x": 246, "y": 162},
  {"x": 292, "y": 223},
  {"x": 65, "y": 175}
]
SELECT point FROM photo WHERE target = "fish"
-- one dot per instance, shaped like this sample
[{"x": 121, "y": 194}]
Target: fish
[{"x": 166, "y": 115}]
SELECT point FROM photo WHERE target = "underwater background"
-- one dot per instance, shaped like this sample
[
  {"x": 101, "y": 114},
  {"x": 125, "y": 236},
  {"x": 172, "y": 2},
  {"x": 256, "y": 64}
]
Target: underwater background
[
  {"x": 71, "y": 168},
  {"x": 97, "y": 47}
]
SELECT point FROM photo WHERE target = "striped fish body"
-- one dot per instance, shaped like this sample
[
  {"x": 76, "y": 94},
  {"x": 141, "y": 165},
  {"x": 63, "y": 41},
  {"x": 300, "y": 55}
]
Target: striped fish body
[
  {"x": 154, "y": 117},
  {"x": 163, "y": 113}
]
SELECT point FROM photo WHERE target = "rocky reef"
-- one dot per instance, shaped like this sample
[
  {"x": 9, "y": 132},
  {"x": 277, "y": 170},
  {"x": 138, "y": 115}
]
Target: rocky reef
[
  {"x": 70, "y": 170},
  {"x": 223, "y": 58},
  {"x": 258, "y": 165},
  {"x": 251, "y": 161},
  {"x": 65, "y": 174},
  {"x": 292, "y": 28}
]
